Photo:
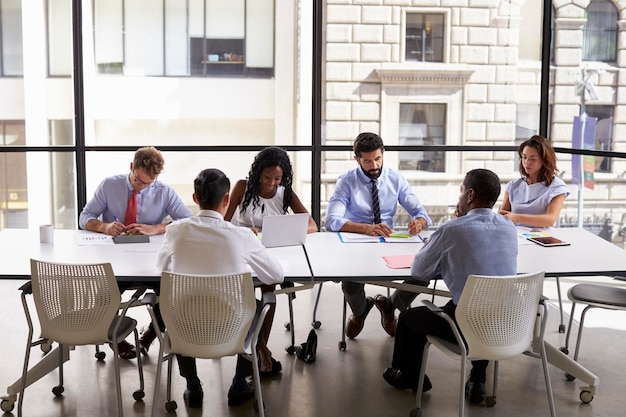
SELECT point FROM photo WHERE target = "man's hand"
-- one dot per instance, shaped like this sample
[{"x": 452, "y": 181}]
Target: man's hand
[
  {"x": 416, "y": 226},
  {"x": 114, "y": 228},
  {"x": 380, "y": 229},
  {"x": 145, "y": 229}
]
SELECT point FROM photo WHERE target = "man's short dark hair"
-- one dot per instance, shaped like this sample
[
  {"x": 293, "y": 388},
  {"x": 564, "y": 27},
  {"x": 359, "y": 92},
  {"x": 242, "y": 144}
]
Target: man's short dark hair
[
  {"x": 485, "y": 183},
  {"x": 367, "y": 142},
  {"x": 210, "y": 187}
]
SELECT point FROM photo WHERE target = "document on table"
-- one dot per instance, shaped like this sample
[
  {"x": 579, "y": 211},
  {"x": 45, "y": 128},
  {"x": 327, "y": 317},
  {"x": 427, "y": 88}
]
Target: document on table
[
  {"x": 347, "y": 237},
  {"x": 83, "y": 238}
]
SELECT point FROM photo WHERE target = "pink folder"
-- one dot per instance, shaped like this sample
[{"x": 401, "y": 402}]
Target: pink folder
[{"x": 399, "y": 261}]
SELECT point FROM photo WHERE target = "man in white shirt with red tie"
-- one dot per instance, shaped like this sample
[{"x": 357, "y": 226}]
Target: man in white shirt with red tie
[{"x": 142, "y": 203}]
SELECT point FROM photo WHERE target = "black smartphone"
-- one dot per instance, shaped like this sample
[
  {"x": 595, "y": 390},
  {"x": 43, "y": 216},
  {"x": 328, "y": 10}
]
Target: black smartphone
[{"x": 548, "y": 241}]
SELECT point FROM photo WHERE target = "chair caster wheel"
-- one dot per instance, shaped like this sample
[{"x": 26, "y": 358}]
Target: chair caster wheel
[
  {"x": 564, "y": 350},
  {"x": 287, "y": 326},
  {"x": 139, "y": 395},
  {"x": 342, "y": 345},
  {"x": 7, "y": 406},
  {"x": 100, "y": 355},
  {"x": 416, "y": 412},
  {"x": 171, "y": 406},
  {"x": 316, "y": 324},
  {"x": 570, "y": 377},
  {"x": 561, "y": 328},
  {"x": 46, "y": 346},
  {"x": 58, "y": 390},
  {"x": 586, "y": 396},
  {"x": 291, "y": 350},
  {"x": 490, "y": 401}
]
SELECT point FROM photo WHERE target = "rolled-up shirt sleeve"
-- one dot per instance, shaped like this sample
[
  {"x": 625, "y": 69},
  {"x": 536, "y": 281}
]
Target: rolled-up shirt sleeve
[{"x": 337, "y": 206}]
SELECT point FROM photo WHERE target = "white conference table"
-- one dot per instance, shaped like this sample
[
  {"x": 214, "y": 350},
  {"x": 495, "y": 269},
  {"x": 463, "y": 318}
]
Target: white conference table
[{"x": 330, "y": 260}]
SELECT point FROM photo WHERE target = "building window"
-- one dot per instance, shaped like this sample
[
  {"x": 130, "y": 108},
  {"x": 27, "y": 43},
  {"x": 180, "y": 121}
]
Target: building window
[
  {"x": 600, "y": 32},
  {"x": 197, "y": 37},
  {"x": 424, "y": 37},
  {"x": 422, "y": 124},
  {"x": 11, "y": 58},
  {"x": 604, "y": 134}
]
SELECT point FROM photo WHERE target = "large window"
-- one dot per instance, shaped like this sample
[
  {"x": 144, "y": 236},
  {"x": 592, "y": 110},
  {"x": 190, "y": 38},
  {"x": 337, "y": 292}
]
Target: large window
[
  {"x": 422, "y": 124},
  {"x": 232, "y": 38},
  {"x": 600, "y": 32},
  {"x": 11, "y": 58}
]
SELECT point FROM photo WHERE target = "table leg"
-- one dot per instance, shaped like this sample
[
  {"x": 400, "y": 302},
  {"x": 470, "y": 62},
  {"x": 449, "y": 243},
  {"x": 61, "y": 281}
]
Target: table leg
[{"x": 42, "y": 368}]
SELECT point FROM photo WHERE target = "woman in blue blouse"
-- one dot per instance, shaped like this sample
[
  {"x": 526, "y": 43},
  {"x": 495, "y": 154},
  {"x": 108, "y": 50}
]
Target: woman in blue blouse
[{"x": 537, "y": 197}]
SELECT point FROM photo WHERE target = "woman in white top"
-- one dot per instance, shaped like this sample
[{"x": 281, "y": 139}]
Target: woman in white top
[
  {"x": 537, "y": 197},
  {"x": 267, "y": 191}
]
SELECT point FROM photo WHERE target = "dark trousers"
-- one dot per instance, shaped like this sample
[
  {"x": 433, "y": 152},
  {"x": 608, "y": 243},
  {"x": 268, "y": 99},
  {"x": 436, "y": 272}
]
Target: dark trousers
[
  {"x": 355, "y": 296},
  {"x": 187, "y": 365},
  {"x": 154, "y": 286},
  {"x": 414, "y": 325}
]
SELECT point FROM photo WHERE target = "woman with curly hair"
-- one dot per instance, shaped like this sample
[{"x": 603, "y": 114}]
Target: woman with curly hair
[
  {"x": 537, "y": 197},
  {"x": 266, "y": 191}
]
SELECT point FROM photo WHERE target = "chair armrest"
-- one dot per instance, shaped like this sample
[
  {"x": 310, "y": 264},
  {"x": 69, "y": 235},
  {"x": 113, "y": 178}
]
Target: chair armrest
[
  {"x": 269, "y": 298},
  {"x": 140, "y": 291},
  {"x": 432, "y": 307},
  {"x": 149, "y": 299},
  {"x": 27, "y": 288}
]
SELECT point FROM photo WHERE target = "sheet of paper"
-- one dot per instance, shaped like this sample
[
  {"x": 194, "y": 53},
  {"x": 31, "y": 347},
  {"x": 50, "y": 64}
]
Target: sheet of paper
[
  {"x": 347, "y": 237},
  {"x": 92, "y": 239}
]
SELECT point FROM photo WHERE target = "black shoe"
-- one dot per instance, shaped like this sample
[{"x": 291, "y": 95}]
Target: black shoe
[
  {"x": 193, "y": 397},
  {"x": 400, "y": 379},
  {"x": 240, "y": 391},
  {"x": 475, "y": 391}
]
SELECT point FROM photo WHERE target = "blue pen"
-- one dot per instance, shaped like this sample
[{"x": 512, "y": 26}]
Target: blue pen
[
  {"x": 116, "y": 219},
  {"x": 421, "y": 238}
]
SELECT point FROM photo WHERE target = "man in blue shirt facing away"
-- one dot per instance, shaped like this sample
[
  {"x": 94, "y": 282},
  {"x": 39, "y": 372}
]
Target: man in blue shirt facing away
[
  {"x": 353, "y": 207},
  {"x": 480, "y": 241}
]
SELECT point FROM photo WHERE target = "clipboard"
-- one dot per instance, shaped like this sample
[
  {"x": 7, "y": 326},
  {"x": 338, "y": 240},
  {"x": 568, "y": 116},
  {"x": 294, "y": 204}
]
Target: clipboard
[{"x": 131, "y": 239}]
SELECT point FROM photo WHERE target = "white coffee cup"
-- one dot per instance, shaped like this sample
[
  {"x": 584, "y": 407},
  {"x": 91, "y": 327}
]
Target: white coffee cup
[{"x": 46, "y": 233}]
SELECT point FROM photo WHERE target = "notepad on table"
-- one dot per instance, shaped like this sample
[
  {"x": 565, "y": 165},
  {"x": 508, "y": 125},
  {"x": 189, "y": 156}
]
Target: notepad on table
[{"x": 399, "y": 261}]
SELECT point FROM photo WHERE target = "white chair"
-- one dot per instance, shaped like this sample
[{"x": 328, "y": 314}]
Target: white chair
[
  {"x": 497, "y": 317},
  {"x": 77, "y": 305},
  {"x": 207, "y": 317}
]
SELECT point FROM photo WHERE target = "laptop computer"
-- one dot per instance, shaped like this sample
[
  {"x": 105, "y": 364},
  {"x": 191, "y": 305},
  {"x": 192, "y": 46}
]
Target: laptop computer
[{"x": 284, "y": 230}]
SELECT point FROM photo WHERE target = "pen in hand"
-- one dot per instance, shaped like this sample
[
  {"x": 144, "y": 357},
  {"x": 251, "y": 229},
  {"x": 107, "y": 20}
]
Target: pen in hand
[{"x": 117, "y": 219}]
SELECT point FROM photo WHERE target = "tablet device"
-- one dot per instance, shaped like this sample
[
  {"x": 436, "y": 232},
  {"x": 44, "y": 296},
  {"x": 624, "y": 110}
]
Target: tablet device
[
  {"x": 131, "y": 239},
  {"x": 548, "y": 241},
  {"x": 284, "y": 230}
]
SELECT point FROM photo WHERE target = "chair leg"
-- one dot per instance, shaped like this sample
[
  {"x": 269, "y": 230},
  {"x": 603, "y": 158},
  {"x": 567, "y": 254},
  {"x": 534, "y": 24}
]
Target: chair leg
[
  {"x": 140, "y": 393},
  {"x": 256, "y": 376},
  {"x": 462, "y": 386},
  {"x": 118, "y": 384},
  {"x": 315, "y": 323},
  {"x": 342, "y": 342},
  {"x": 420, "y": 384},
  {"x": 581, "y": 326},
  {"x": 546, "y": 373},
  {"x": 157, "y": 379},
  {"x": 291, "y": 349},
  {"x": 565, "y": 349},
  {"x": 558, "y": 292}
]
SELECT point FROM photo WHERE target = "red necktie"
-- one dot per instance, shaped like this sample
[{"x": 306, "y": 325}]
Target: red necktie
[{"x": 131, "y": 209}]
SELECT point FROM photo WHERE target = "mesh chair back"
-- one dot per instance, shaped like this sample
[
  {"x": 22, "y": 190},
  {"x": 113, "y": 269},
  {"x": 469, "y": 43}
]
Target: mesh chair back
[
  {"x": 76, "y": 304},
  {"x": 496, "y": 314},
  {"x": 207, "y": 316}
]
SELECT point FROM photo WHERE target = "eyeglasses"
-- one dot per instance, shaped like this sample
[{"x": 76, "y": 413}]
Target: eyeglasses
[{"x": 138, "y": 181}]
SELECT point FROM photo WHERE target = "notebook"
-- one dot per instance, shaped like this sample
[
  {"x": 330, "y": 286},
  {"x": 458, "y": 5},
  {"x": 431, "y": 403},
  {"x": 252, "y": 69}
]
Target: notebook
[{"x": 284, "y": 230}]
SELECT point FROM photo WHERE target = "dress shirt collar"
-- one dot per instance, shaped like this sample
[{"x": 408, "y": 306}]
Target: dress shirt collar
[
  {"x": 367, "y": 180},
  {"x": 210, "y": 213}
]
